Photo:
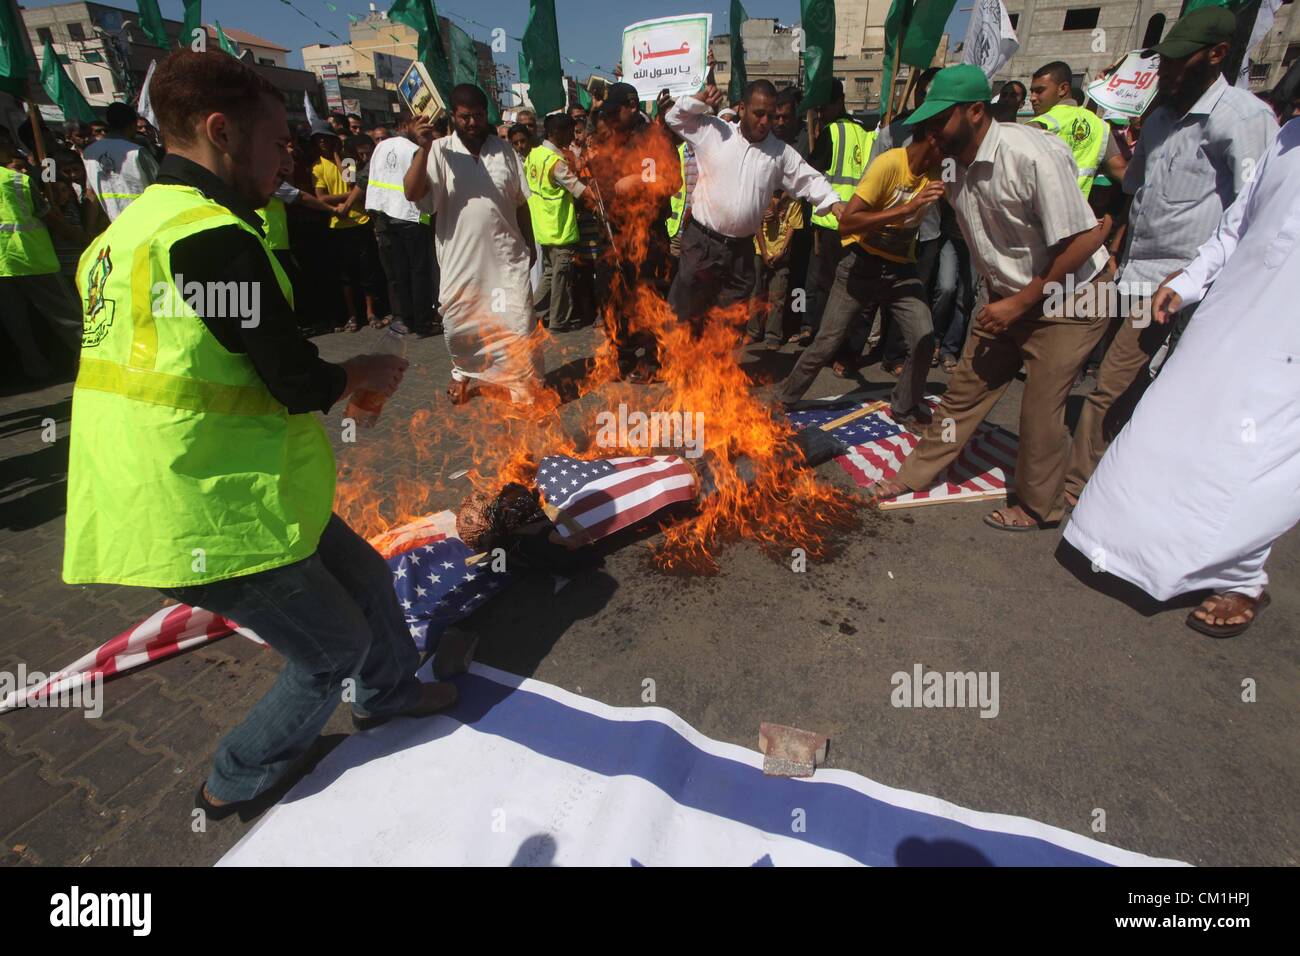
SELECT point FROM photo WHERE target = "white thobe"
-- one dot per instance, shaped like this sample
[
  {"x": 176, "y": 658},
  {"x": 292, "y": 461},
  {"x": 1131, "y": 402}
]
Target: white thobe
[
  {"x": 1206, "y": 476},
  {"x": 484, "y": 296}
]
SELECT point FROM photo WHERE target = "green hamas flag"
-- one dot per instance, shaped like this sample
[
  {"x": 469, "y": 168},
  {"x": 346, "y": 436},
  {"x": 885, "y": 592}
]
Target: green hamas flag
[
  {"x": 736, "y": 88},
  {"x": 227, "y": 45},
  {"x": 542, "y": 56},
  {"x": 13, "y": 55},
  {"x": 61, "y": 90},
  {"x": 897, "y": 22},
  {"x": 464, "y": 66},
  {"x": 818, "y": 24},
  {"x": 921, "y": 42},
  {"x": 151, "y": 22},
  {"x": 584, "y": 98},
  {"x": 422, "y": 17},
  {"x": 191, "y": 25}
]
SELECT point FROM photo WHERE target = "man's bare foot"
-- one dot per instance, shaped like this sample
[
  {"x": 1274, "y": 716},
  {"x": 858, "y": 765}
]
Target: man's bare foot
[
  {"x": 883, "y": 490},
  {"x": 207, "y": 795},
  {"x": 1229, "y": 609}
]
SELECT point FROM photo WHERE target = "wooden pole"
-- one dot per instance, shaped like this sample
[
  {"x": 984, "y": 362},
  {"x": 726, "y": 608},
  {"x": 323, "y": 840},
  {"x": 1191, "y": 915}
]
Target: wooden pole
[{"x": 34, "y": 115}]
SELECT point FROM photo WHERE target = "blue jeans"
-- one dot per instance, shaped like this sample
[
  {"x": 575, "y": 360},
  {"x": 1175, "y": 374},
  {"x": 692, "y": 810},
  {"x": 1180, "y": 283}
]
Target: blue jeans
[
  {"x": 332, "y": 616},
  {"x": 954, "y": 295}
]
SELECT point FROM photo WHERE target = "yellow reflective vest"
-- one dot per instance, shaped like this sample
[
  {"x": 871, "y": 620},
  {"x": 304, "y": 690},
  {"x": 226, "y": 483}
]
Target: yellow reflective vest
[
  {"x": 276, "y": 222},
  {"x": 555, "y": 220},
  {"x": 1084, "y": 132},
  {"x": 183, "y": 468},
  {"x": 25, "y": 246},
  {"x": 850, "y": 150}
]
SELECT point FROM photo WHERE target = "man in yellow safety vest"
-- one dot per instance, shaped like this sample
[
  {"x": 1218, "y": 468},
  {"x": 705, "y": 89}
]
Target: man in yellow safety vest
[
  {"x": 196, "y": 465},
  {"x": 1085, "y": 134}
]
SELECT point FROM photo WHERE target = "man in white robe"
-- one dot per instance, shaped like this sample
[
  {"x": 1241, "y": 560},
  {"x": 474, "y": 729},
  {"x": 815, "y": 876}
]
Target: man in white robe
[
  {"x": 1206, "y": 476},
  {"x": 473, "y": 184}
]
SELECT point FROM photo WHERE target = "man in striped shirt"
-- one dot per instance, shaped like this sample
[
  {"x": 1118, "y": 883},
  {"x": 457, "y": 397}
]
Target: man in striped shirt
[{"x": 1030, "y": 234}]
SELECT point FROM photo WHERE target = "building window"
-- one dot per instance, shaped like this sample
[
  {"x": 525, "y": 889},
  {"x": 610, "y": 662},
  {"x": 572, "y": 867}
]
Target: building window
[
  {"x": 1082, "y": 18},
  {"x": 1015, "y": 20},
  {"x": 76, "y": 32},
  {"x": 93, "y": 85},
  {"x": 44, "y": 35},
  {"x": 93, "y": 57},
  {"x": 265, "y": 62},
  {"x": 1259, "y": 72}
]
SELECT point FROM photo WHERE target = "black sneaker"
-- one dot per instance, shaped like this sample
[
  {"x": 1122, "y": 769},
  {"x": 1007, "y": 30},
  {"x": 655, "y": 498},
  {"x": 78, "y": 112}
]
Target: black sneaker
[
  {"x": 398, "y": 326},
  {"x": 918, "y": 417}
]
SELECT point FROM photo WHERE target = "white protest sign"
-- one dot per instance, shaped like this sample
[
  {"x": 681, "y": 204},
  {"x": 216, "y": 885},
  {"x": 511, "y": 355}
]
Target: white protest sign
[
  {"x": 669, "y": 53},
  {"x": 1130, "y": 88}
]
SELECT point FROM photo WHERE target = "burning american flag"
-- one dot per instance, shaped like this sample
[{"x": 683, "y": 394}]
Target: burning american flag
[{"x": 588, "y": 500}]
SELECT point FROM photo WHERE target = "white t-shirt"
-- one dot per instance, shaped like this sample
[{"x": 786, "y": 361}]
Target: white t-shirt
[
  {"x": 118, "y": 170},
  {"x": 388, "y": 165}
]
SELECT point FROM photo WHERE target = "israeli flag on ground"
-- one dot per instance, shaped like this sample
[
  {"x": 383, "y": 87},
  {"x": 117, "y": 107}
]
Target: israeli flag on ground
[{"x": 522, "y": 773}]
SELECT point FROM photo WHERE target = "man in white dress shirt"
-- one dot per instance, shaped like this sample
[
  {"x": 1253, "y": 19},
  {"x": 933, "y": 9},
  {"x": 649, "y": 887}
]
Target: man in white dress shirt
[
  {"x": 740, "y": 167},
  {"x": 474, "y": 186},
  {"x": 1205, "y": 477}
]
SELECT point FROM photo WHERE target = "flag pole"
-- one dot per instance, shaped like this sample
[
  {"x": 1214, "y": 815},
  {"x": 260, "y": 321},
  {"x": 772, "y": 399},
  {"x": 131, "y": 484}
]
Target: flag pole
[{"x": 35, "y": 115}]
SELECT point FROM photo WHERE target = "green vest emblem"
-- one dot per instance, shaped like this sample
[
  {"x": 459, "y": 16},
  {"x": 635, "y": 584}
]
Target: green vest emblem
[{"x": 98, "y": 309}]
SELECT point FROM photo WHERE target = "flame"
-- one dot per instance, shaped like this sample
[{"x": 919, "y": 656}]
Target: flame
[{"x": 753, "y": 483}]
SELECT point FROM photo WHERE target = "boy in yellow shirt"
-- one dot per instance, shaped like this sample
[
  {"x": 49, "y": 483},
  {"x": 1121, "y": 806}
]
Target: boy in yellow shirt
[{"x": 878, "y": 230}]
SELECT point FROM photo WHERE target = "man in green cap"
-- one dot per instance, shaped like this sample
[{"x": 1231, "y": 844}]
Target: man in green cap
[
  {"x": 1031, "y": 236},
  {"x": 1198, "y": 151}
]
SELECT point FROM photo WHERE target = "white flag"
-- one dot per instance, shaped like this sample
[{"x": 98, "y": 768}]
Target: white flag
[
  {"x": 312, "y": 119},
  {"x": 990, "y": 40},
  {"x": 145, "y": 105},
  {"x": 1263, "y": 23}
]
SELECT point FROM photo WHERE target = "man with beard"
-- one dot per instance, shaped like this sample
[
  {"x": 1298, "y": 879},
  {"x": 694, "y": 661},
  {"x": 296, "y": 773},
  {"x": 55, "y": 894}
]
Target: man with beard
[
  {"x": 1029, "y": 229},
  {"x": 196, "y": 466},
  {"x": 473, "y": 184},
  {"x": 1197, "y": 153},
  {"x": 741, "y": 166},
  {"x": 636, "y": 171}
]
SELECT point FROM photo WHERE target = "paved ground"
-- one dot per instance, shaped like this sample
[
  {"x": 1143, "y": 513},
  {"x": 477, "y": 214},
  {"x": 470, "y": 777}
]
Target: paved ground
[{"x": 1102, "y": 706}]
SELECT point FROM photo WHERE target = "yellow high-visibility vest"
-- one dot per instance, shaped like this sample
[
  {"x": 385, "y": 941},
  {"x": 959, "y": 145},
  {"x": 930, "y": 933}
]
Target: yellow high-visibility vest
[
  {"x": 1084, "y": 132},
  {"x": 850, "y": 150},
  {"x": 25, "y": 246}
]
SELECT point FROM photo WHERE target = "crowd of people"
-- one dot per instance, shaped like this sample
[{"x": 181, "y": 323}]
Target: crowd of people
[{"x": 982, "y": 244}]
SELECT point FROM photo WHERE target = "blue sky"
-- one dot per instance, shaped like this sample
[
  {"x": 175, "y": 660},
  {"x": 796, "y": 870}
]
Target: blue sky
[{"x": 590, "y": 30}]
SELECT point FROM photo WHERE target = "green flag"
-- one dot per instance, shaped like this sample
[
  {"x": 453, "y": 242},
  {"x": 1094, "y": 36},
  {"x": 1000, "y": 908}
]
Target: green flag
[
  {"x": 929, "y": 17},
  {"x": 736, "y": 88},
  {"x": 818, "y": 23},
  {"x": 897, "y": 22},
  {"x": 151, "y": 22},
  {"x": 13, "y": 54},
  {"x": 523, "y": 68},
  {"x": 584, "y": 98},
  {"x": 61, "y": 90},
  {"x": 228, "y": 45},
  {"x": 422, "y": 17},
  {"x": 1235, "y": 6},
  {"x": 542, "y": 56},
  {"x": 464, "y": 66},
  {"x": 191, "y": 25}
]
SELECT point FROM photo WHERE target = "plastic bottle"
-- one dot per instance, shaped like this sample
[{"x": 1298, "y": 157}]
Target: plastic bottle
[{"x": 365, "y": 405}]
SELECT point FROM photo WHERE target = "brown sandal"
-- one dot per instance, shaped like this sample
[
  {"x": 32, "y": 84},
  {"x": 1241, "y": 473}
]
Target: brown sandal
[{"x": 1231, "y": 603}]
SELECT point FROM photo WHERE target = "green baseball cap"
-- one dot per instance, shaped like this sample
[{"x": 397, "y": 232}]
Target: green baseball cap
[
  {"x": 1202, "y": 27},
  {"x": 952, "y": 85}
]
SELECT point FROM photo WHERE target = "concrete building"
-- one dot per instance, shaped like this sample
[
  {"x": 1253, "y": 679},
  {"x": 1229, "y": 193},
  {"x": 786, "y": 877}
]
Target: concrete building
[
  {"x": 104, "y": 52},
  {"x": 382, "y": 50},
  {"x": 1092, "y": 35},
  {"x": 772, "y": 53}
]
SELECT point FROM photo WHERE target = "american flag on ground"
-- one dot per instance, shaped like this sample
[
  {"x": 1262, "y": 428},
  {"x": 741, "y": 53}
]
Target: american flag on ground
[
  {"x": 167, "y": 631},
  {"x": 983, "y": 469},
  {"x": 857, "y": 432},
  {"x": 435, "y": 583},
  {"x": 588, "y": 500}
]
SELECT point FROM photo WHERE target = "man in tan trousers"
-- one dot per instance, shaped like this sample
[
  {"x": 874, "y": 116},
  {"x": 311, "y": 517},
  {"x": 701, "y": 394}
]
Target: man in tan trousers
[{"x": 1038, "y": 247}]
